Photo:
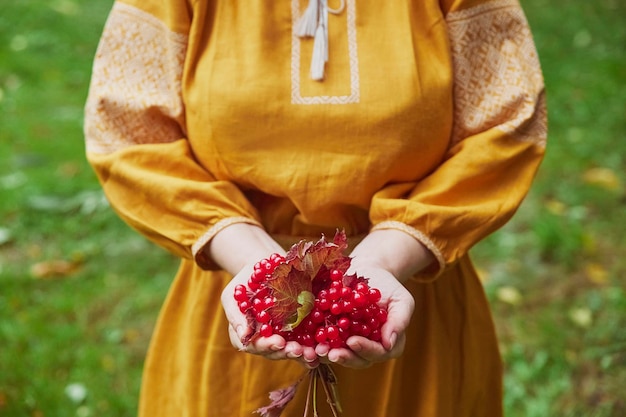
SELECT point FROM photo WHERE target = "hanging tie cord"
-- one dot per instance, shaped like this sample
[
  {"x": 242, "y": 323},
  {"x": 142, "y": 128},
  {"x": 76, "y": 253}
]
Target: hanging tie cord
[{"x": 314, "y": 23}]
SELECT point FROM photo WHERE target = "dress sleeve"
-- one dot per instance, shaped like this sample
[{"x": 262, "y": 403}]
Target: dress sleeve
[
  {"x": 497, "y": 142},
  {"x": 135, "y": 133}
]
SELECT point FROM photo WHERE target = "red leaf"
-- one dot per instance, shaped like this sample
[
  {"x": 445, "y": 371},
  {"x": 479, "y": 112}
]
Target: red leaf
[
  {"x": 292, "y": 282},
  {"x": 294, "y": 300},
  {"x": 280, "y": 398},
  {"x": 310, "y": 258}
]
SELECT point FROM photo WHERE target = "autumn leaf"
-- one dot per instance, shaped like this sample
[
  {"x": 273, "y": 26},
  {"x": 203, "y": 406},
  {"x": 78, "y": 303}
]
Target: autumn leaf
[
  {"x": 603, "y": 177},
  {"x": 56, "y": 268},
  {"x": 292, "y": 290},
  {"x": 310, "y": 258},
  {"x": 280, "y": 398},
  {"x": 292, "y": 282}
]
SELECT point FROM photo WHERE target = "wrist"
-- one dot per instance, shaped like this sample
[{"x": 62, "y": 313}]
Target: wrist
[
  {"x": 241, "y": 245},
  {"x": 394, "y": 251}
]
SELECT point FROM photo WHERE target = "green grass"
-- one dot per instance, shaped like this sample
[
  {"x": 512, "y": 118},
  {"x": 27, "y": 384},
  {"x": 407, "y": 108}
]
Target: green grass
[{"x": 554, "y": 275}]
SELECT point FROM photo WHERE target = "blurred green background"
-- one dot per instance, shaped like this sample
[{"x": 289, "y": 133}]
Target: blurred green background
[{"x": 79, "y": 291}]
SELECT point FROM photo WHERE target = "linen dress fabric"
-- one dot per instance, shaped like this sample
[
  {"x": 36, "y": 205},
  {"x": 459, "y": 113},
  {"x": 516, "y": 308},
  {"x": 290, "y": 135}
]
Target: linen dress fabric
[{"x": 430, "y": 119}]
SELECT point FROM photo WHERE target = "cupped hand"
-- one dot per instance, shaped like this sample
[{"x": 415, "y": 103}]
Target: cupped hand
[
  {"x": 274, "y": 347},
  {"x": 363, "y": 352}
]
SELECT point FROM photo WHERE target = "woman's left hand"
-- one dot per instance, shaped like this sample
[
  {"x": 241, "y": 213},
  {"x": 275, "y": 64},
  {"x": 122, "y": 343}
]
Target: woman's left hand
[{"x": 363, "y": 352}]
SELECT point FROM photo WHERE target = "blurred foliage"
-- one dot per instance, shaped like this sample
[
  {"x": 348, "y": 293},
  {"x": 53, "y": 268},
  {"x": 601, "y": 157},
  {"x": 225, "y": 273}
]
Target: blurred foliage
[{"x": 79, "y": 291}]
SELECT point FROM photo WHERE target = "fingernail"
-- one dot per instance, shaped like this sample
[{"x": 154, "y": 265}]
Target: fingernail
[
  {"x": 392, "y": 340},
  {"x": 239, "y": 331},
  {"x": 276, "y": 348},
  {"x": 356, "y": 347}
]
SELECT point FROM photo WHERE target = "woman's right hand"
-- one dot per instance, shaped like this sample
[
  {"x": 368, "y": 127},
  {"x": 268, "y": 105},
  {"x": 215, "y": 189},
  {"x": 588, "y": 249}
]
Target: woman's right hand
[{"x": 274, "y": 347}]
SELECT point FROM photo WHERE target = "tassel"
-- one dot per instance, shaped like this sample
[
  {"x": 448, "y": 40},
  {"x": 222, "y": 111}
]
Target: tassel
[
  {"x": 308, "y": 22},
  {"x": 320, "y": 45},
  {"x": 318, "y": 61}
]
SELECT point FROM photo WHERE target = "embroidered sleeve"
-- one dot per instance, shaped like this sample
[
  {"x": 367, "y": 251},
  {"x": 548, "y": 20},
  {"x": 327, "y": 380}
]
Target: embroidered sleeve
[
  {"x": 138, "y": 67},
  {"x": 136, "y": 140},
  {"x": 498, "y": 82},
  {"x": 497, "y": 141}
]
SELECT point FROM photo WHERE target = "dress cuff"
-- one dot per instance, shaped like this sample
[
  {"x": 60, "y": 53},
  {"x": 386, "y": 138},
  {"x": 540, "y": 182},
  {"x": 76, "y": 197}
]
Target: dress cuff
[
  {"x": 197, "y": 250},
  {"x": 431, "y": 272}
]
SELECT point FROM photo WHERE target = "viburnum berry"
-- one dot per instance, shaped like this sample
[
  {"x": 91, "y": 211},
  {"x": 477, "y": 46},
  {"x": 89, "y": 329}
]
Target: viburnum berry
[
  {"x": 340, "y": 306},
  {"x": 336, "y": 275},
  {"x": 306, "y": 296}
]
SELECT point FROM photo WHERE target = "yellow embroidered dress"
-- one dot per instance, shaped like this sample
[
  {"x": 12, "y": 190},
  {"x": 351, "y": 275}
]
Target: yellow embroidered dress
[{"x": 430, "y": 119}]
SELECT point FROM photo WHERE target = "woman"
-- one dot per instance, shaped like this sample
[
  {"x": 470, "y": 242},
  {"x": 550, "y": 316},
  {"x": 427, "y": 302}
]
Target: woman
[{"x": 228, "y": 130}]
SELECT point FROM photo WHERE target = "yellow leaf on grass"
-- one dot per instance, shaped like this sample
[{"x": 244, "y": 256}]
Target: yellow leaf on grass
[
  {"x": 556, "y": 207},
  {"x": 56, "y": 268},
  {"x": 582, "y": 317},
  {"x": 596, "y": 273},
  {"x": 603, "y": 177},
  {"x": 509, "y": 295}
]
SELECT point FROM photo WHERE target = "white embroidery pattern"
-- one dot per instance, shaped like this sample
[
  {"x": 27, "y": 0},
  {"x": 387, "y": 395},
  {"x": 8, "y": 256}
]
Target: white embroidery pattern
[
  {"x": 354, "y": 96},
  {"x": 498, "y": 80},
  {"x": 134, "y": 95}
]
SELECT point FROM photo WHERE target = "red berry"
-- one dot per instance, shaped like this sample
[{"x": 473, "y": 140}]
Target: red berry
[
  {"x": 361, "y": 287},
  {"x": 269, "y": 302},
  {"x": 307, "y": 340},
  {"x": 381, "y": 315},
  {"x": 267, "y": 266},
  {"x": 336, "y": 275},
  {"x": 258, "y": 275},
  {"x": 344, "y": 323},
  {"x": 253, "y": 285},
  {"x": 244, "y": 306},
  {"x": 333, "y": 294},
  {"x": 257, "y": 303},
  {"x": 336, "y": 343},
  {"x": 375, "y": 335},
  {"x": 365, "y": 330},
  {"x": 317, "y": 316},
  {"x": 374, "y": 295},
  {"x": 345, "y": 292},
  {"x": 320, "y": 335},
  {"x": 359, "y": 299},
  {"x": 324, "y": 304},
  {"x": 241, "y": 294},
  {"x": 263, "y": 316},
  {"x": 266, "y": 330},
  {"x": 336, "y": 308},
  {"x": 332, "y": 332}
]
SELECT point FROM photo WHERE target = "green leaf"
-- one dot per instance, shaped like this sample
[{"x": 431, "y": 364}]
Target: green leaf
[{"x": 306, "y": 299}]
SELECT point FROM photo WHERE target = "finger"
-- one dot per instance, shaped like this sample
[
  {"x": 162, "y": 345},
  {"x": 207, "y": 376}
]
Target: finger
[
  {"x": 366, "y": 349},
  {"x": 398, "y": 318},
  {"x": 266, "y": 345},
  {"x": 347, "y": 358}
]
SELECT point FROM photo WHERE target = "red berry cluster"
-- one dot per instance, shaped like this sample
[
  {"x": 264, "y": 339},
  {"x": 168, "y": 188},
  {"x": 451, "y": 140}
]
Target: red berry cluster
[{"x": 344, "y": 306}]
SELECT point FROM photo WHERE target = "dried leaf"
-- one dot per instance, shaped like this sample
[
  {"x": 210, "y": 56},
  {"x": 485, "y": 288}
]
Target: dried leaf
[
  {"x": 556, "y": 207},
  {"x": 280, "y": 398},
  {"x": 597, "y": 273},
  {"x": 582, "y": 317},
  {"x": 54, "y": 269},
  {"x": 603, "y": 177},
  {"x": 509, "y": 295}
]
